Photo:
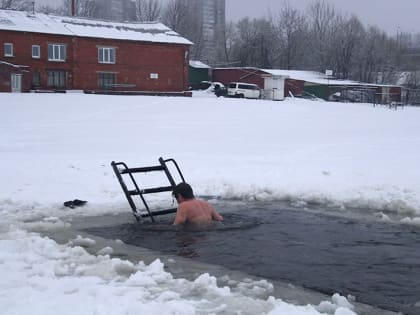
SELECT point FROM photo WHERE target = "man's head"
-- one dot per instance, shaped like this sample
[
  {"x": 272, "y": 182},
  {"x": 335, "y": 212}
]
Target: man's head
[{"x": 184, "y": 190}]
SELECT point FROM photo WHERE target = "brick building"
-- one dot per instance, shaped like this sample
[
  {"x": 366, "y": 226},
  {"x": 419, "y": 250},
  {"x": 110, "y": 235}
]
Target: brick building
[{"x": 44, "y": 52}]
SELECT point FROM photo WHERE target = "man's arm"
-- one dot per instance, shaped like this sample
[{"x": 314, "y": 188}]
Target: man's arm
[
  {"x": 215, "y": 215},
  {"x": 181, "y": 216}
]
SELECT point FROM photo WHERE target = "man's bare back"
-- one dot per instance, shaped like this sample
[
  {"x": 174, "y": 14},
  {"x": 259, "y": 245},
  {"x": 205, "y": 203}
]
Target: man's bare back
[
  {"x": 196, "y": 211},
  {"x": 192, "y": 210}
]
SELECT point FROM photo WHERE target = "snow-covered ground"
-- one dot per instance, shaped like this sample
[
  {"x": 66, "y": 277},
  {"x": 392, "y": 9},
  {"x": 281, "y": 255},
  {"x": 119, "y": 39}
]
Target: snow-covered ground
[{"x": 57, "y": 147}]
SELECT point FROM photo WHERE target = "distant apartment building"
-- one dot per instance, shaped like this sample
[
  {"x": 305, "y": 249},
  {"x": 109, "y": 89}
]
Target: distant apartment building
[
  {"x": 116, "y": 10},
  {"x": 211, "y": 15}
]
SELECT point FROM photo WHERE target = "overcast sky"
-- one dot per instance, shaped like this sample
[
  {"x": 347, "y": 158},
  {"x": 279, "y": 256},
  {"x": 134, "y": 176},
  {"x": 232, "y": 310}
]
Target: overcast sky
[{"x": 389, "y": 15}]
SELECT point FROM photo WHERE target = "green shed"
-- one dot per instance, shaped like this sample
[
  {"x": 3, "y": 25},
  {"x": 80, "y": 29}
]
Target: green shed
[
  {"x": 318, "y": 90},
  {"x": 199, "y": 72}
]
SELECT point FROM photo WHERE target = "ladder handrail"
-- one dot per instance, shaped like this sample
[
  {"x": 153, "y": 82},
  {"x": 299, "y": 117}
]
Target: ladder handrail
[
  {"x": 137, "y": 191},
  {"x": 127, "y": 194},
  {"x": 168, "y": 174},
  {"x": 122, "y": 183}
]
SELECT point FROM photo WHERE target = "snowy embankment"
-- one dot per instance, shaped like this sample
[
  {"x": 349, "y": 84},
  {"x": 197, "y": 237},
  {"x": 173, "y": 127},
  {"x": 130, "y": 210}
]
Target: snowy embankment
[
  {"x": 41, "y": 277},
  {"x": 58, "y": 147}
]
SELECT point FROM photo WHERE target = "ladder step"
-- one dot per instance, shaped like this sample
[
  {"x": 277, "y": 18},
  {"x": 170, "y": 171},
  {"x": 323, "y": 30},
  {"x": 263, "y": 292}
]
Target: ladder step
[
  {"x": 142, "y": 169},
  {"x": 150, "y": 190},
  {"x": 160, "y": 212}
]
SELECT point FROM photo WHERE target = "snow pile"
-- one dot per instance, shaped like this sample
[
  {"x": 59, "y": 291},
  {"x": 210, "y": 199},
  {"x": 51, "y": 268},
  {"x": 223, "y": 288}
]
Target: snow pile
[
  {"x": 339, "y": 305},
  {"x": 46, "y": 224},
  {"x": 57, "y": 279},
  {"x": 82, "y": 241}
]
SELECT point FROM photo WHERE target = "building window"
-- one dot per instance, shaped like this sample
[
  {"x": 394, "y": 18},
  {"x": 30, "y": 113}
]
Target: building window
[
  {"x": 8, "y": 50},
  {"x": 106, "y": 80},
  {"x": 36, "y": 51},
  {"x": 56, "y": 52},
  {"x": 106, "y": 55},
  {"x": 36, "y": 79},
  {"x": 56, "y": 78}
]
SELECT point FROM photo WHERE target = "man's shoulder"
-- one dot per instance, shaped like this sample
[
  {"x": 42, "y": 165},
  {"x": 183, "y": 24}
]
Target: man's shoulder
[
  {"x": 187, "y": 203},
  {"x": 193, "y": 204},
  {"x": 201, "y": 202}
]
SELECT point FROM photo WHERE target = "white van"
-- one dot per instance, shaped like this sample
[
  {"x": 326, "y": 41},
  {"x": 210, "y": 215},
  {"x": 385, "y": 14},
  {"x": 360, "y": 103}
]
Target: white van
[{"x": 247, "y": 90}]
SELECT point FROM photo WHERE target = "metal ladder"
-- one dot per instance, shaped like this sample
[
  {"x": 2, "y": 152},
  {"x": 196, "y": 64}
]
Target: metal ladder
[{"x": 122, "y": 170}]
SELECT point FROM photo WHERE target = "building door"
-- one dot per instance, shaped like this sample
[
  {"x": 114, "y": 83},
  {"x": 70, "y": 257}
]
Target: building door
[{"x": 16, "y": 81}]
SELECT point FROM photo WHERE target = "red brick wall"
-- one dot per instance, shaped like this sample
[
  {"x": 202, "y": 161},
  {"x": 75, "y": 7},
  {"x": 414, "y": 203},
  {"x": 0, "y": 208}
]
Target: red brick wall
[
  {"x": 294, "y": 86},
  {"x": 226, "y": 76},
  {"x": 395, "y": 93},
  {"x": 6, "y": 72},
  {"x": 22, "y": 53},
  {"x": 134, "y": 64},
  {"x": 135, "y": 61}
]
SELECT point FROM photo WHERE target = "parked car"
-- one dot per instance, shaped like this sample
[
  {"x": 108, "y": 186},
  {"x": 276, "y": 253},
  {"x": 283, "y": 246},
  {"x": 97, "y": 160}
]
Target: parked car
[
  {"x": 353, "y": 96},
  {"x": 246, "y": 90},
  {"x": 208, "y": 86},
  {"x": 203, "y": 85}
]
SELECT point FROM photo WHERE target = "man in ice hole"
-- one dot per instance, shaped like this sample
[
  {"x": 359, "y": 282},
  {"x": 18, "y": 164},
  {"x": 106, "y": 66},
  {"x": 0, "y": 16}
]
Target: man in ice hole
[{"x": 192, "y": 210}]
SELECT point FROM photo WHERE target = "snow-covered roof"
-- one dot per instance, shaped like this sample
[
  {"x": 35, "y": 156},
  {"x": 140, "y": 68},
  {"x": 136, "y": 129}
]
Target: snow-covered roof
[
  {"x": 198, "y": 64},
  {"x": 310, "y": 76},
  {"x": 12, "y": 65},
  {"x": 81, "y": 27},
  {"x": 321, "y": 78},
  {"x": 307, "y": 76},
  {"x": 239, "y": 68}
]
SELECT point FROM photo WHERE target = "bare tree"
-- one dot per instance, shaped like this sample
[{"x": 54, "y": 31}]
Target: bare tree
[
  {"x": 371, "y": 55},
  {"x": 176, "y": 15},
  {"x": 254, "y": 43},
  {"x": 323, "y": 21},
  {"x": 180, "y": 15},
  {"x": 290, "y": 29},
  {"x": 346, "y": 42},
  {"x": 83, "y": 8},
  {"x": 244, "y": 40},
  {"x": 392, "y": 62},
  {"x": 16, "y": 4},
  {"x": 229, "y": 41},
  {"x": 48, "y": 9},
  {"x": 148, "y": 10},
  {"x": 264, "y": 44}
]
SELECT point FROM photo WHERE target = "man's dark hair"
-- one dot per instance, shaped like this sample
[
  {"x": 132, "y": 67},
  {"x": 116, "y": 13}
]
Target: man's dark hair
[{"x": 184, "y": 190}]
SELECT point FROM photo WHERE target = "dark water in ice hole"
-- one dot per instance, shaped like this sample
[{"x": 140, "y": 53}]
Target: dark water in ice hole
[{"x": 378, "y": 263}]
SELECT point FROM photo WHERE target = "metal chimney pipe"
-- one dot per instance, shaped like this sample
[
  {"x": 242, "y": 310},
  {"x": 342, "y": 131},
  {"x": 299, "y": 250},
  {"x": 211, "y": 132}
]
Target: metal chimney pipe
[{"x": 73, "y": 8}]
